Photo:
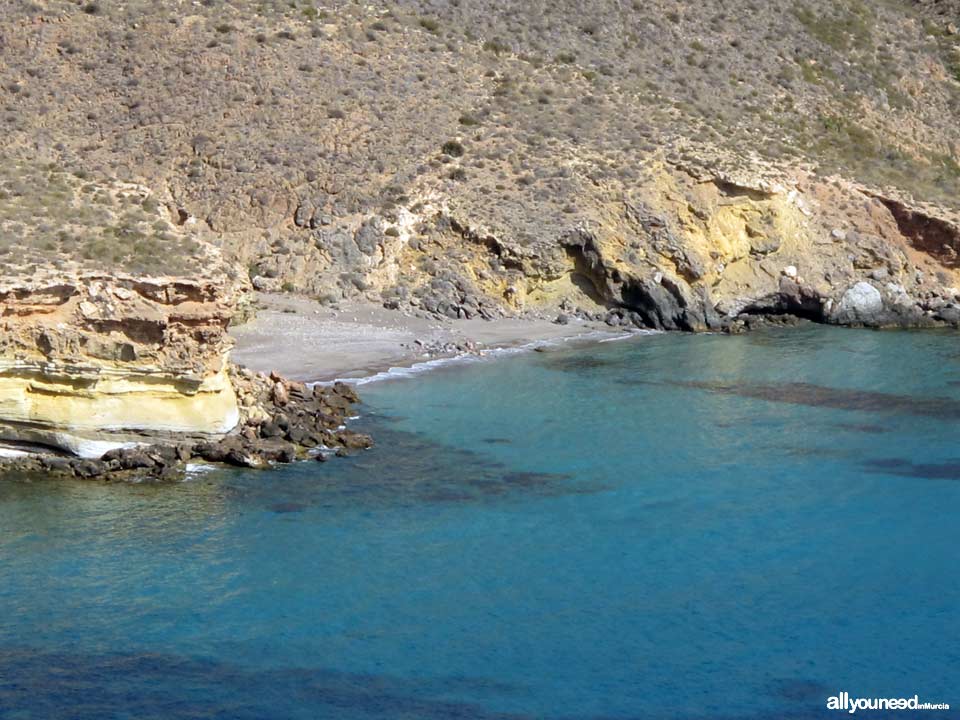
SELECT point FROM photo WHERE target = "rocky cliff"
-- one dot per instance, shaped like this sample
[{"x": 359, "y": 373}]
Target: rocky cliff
[
  {"x": 697, "y": 246},
  {"x": 91, "y": 361},
  {"x": 662, "y": 164},
  {"x": 113, "y": 316}
]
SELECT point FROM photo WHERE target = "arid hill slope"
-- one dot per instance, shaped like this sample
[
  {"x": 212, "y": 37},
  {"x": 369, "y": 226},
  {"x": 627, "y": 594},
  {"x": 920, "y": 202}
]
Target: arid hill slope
[{"x": 671, "y": 163}]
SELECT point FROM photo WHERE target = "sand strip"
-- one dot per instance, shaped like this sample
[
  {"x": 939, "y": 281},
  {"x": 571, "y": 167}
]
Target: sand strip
[{"x": 304, "y": 340}]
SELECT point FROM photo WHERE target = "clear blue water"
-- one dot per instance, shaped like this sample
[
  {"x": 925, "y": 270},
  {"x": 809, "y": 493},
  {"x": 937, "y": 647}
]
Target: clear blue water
[{"x": 673, "y": 526}]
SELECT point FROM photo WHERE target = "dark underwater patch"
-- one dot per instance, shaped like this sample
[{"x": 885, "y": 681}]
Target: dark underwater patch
[
  {"x": 287, "y": 507},
  {"x": 801, "y": 690},
  {"x": 577, "y": 363},
  {"x": 408, "y": 468},
  {"x": 812, "y": 395},
  {"x": 403, "y": 469},
  {"x": 497, "y": 441},
  {"x": 95, "y": 686},
  {"x": 499, "y": 485},
  {"x": 861, "y": 428},
  {"x": 534, "y": 479},
  {"x": 905, "y": 468},
  {"x": 813, "y": 451},
  {"x": 77, "y": 685}
]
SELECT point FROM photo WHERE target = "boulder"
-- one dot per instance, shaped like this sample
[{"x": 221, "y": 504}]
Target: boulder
[
  {"x": 861, "y": 304},
  {"x": 346, "y": 391},
  {"x": 354, "y": 441},
  {"x": 949, "y": 314},
  {"x": 281, "y": 396}
]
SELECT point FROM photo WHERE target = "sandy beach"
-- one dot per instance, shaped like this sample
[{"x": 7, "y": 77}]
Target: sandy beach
[{"x": 304, "y": 340}]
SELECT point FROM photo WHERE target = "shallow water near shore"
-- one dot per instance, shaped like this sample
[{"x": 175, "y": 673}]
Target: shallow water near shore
[{"x": 671, "y": 526}]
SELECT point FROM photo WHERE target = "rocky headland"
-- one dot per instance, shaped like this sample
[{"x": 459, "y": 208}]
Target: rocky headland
[
  {"x": 91, "y": 361},
  {"x": 654, "y": 165},
  {"x": 126, "y": 372}
]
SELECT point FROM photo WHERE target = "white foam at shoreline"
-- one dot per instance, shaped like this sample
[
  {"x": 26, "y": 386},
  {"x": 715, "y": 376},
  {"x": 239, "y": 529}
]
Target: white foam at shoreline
[
  {"x": 396, "y": 373},
  {"x": 627, "y": 336},
  {"x": 198, "y": 468}
]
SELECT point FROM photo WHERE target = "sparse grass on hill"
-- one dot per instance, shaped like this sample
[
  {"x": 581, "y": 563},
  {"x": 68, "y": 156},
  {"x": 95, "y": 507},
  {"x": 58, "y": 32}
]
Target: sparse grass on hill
[
  {"x": 49, "y": 215},
  {"x": 243, "y": 111}
]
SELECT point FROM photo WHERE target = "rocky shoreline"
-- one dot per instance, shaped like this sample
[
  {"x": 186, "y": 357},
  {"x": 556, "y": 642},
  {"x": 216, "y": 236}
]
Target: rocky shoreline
[
  {"x": 284, "y": 421},
  {"x": 154, "y": 182},
  {"x": 863, "y": 305},
  {"x": 281, "y": 421}
]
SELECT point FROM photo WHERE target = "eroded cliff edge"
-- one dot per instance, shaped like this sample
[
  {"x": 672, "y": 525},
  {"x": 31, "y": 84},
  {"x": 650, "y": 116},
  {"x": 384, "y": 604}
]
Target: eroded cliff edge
[
  {"x": 707, "y": 245},
  {"x": 129, "y": 376},
  {"x": 113, "y": 317},
  {"x": 114, "y": 344},
  {"x": 706, "y": 241},
  {"x": 89, "y": 361}
]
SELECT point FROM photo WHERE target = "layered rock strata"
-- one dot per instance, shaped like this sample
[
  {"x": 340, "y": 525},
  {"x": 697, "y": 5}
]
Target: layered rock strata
[
  {"x": 280, "y": 422},
  {"x": 90, "y": 361}
]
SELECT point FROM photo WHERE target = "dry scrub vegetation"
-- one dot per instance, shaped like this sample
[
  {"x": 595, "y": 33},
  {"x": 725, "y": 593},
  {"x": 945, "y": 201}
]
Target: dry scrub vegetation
[{"x": 277, "y": 124}]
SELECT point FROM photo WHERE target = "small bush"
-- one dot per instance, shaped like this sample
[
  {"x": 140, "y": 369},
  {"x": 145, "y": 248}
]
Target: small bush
[
  {"x": 452, "y": 148},
  {"x": 496, "y": 46}
]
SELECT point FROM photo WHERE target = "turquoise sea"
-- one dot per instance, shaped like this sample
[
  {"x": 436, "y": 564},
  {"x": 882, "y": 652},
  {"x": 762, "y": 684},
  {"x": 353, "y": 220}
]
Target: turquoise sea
[{"x": 667, "y": 527}]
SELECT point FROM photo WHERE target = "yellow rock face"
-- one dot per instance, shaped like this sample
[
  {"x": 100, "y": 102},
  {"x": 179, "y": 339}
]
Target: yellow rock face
[
  {"x": 87, "y": 364},
  {"x": 81, "y": 415}
]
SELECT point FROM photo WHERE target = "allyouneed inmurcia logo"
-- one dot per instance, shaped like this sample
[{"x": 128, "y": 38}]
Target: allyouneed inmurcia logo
[{"x": 844, "y": 702}]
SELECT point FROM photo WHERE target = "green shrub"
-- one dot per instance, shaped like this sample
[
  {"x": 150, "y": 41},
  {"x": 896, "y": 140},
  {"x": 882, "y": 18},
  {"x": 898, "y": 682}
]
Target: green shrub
[
  {"x": 850, "y": 25},
  {"x": 452, "y": 148},
  {"x": 497, "y": 47}
]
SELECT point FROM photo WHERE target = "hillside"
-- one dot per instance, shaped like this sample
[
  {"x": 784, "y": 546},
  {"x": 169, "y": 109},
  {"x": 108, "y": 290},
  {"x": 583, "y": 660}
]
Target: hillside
[{"x": 664, "y": 160}]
